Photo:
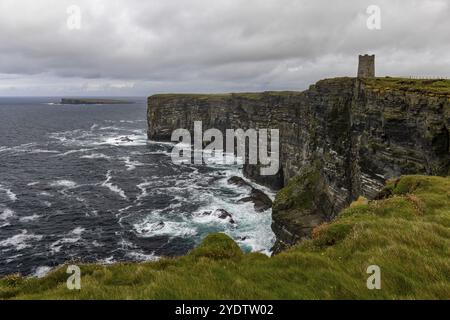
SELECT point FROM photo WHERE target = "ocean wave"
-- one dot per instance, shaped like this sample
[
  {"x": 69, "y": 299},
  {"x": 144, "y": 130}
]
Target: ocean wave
[
  {"x": 123, "y": 140},
  {"x": 143, "y": 187},
  {"x": 102, "y": 136},
  {"x": 110, "y": 128},
  {"x": 164, "y": 228},
  {"x": 20, "y": 241},
  {"x": 29, "y": 218},
  {"x": 78, "y": 231},
  {"x": 69, "y": 184},
  {"x": 42, "y": 151},
  {"x": 73, "y": 237},
  {"x": 31, "y": 148},
  {"x": 21, "y": 147},
  {"x": 11, "y": 195},
  {"x": 96, "y": 156},
  {"x": 7, "y": 213},
  {"x": 112, "y": 187},
  {"x": 72, "y": 152},
  {"x": 130, "y": 164}
]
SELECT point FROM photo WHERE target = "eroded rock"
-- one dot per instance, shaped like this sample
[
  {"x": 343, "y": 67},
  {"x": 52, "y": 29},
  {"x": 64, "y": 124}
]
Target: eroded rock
[
  {"x": 261, "y": 201},
  {"x": 302, "y": 205}
]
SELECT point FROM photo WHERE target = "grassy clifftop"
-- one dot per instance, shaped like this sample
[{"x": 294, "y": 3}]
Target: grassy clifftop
[
  {"x": 440, "y": 87},
  {"x": 406, "y": 233}
]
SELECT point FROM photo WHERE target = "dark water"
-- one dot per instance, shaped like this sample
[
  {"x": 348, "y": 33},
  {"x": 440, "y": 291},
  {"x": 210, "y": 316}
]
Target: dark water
[{"x": 83, "y": 183}]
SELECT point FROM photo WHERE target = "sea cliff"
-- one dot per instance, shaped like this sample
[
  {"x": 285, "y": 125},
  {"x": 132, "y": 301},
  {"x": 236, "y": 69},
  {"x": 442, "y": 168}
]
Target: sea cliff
[{"x": 341, "y": 139}]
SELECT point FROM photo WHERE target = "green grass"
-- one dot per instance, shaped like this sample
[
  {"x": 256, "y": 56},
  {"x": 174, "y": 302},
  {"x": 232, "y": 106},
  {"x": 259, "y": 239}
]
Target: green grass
[
  {"x": 256, "y": 96},
  {"x": 439, "y": 87},
  {"x": 407, "y": 234}
]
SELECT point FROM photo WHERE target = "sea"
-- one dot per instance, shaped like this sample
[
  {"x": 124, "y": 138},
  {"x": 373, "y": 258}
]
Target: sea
[{"x": 83, "y": 184}]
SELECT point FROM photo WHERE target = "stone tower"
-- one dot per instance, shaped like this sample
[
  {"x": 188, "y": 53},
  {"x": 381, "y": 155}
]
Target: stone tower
[{"x": 366, "y": 67}]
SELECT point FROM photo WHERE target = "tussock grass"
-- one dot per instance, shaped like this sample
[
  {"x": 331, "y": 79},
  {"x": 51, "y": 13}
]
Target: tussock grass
[{"x": 407, "y": 234}]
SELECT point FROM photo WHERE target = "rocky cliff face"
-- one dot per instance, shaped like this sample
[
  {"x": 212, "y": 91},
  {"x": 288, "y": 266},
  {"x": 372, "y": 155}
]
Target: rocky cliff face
[{"x": 352, "y": 134}]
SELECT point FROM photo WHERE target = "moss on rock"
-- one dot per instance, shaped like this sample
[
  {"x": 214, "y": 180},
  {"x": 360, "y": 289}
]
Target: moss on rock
[{"x": 299, "y": 207}]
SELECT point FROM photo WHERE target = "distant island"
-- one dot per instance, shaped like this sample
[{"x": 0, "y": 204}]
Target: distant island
[{"x": 93, "y": 101}]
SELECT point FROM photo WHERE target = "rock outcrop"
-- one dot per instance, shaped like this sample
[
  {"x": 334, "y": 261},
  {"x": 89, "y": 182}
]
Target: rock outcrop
[
  {"x": 261, "y": 201},
  {"x": 356, "y": 133}
]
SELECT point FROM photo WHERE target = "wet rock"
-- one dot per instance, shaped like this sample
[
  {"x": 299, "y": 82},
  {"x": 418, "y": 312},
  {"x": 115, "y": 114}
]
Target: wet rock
[
  {"x": 126, "y": 139},
  {"x": 260, "y": 200},
  {"x": 238, "y": 181},
  {"x": 221, "y": 214},
  {"x": 158, "y": 226}
]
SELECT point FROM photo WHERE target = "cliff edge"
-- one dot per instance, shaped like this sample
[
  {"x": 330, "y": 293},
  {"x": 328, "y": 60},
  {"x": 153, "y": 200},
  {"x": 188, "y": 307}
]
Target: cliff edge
[{"x": 340, "y": 139}]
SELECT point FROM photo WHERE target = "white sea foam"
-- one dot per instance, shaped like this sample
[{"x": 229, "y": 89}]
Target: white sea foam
[
  {"x": 110, "y": 128},
  {"x": 11, "y": 195},
  {"x": 26, "y": 148},
  {"x": 41, "y": 271},
  {"x": 143, "y": 187},
  {"x": 48, "y": 204},
  {"x": 29, "y": 218},
  {"x": 96, "y": 156},
  {"x": 73, "y": 151},
  {"x": 78, "y": 231},
  {"x": 140, "y": 256},
  {"x": 164, "y": 228},
  {"x": 20, "y": 241},
  {"x": 97, "y": 244},
  {"x": 7, "y": 213},
  {"x": 103, "y": 136},
  {"x": 107, "y": 183},
  {"x": 109, "y": 260},
  {"x": 31, "y": 184},
  {"x": 19, "y": 148},
  {"x": 64, "y": 184},
  {"x": 126, "y": 245},
  {"x": 252, "y": 230},
  {"x": 73, "y": 237},
  {"x": 124, "y": 140},
  {"x": 130, "y": 164},
  {"x": 42, "y": 151}
]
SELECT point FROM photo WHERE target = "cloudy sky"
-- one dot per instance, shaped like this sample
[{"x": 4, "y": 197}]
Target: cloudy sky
[{"x": 136, "y": 48}]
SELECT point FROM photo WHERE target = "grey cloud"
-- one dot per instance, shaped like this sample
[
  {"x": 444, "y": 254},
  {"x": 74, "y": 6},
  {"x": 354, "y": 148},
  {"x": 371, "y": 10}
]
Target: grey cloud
[{"x": 221, "y": 45}]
